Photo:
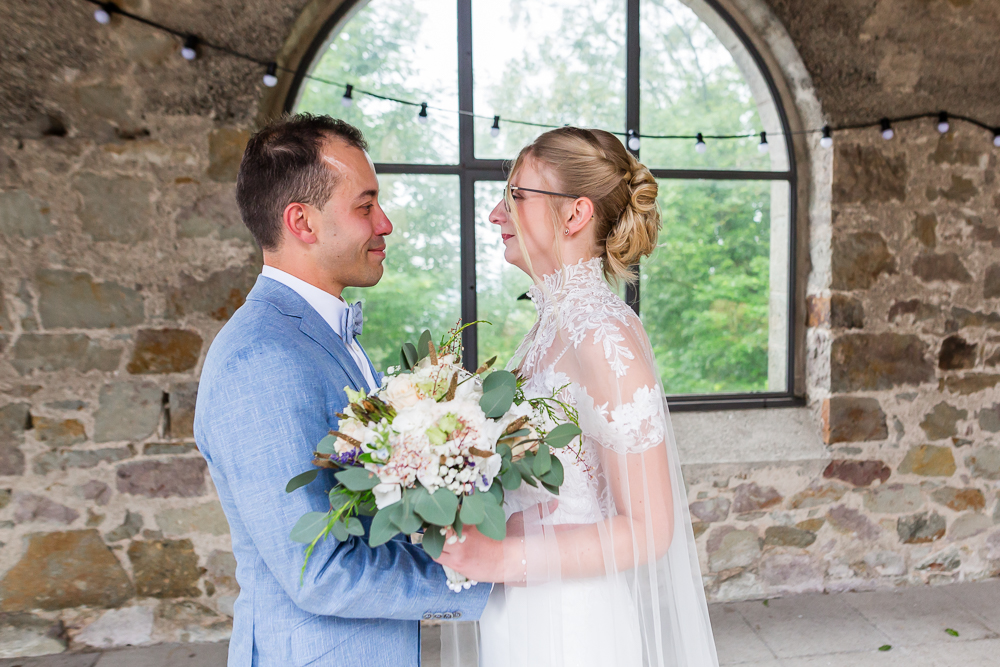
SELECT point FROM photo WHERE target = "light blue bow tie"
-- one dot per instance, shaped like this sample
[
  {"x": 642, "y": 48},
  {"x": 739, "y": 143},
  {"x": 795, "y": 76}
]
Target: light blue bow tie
[{"x": 351, "y": 322}]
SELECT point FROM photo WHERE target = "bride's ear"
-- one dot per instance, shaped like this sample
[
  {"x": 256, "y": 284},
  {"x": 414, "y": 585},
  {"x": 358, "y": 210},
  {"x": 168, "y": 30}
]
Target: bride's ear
[{"x": 581, "y": 213}]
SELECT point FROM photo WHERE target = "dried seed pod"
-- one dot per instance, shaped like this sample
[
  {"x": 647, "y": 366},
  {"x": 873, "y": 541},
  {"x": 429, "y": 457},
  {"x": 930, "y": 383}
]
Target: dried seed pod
[
  {"x": 324, "y": 463},
  {"x": 486, "y": 366},
  {"x": 452, "y": 388},
  {"x": 346, "y": 438},
  {"x": 482, "y": 453},
  {"x": 433, "y": 352},
  {"x": 516, "y": 425}
]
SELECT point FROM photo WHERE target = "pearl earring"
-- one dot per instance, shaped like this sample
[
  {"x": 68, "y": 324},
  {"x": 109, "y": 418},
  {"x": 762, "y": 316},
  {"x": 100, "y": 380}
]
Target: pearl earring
[{"x": 566, "y": 232}]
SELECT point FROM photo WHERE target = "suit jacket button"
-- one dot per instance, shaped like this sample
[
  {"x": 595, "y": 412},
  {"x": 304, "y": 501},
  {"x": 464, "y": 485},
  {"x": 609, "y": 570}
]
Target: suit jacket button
[
  {"x": 428, "y": 616},
  {"x": 438, "y": 615},
  {"x": 457, "y": 614},
  {"x": 447, "y": 615}
]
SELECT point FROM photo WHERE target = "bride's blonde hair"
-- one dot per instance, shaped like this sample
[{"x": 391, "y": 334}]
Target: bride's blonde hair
[{"x": 595, "y": 164}]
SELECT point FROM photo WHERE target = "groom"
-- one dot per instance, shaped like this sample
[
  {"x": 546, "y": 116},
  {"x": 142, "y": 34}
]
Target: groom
[{"x": 272, "y": 384}]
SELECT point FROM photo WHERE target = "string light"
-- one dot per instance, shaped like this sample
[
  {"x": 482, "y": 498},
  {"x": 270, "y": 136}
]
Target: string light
[
  {"x": 827, "y": 139},
  {"x": 271, "y": 75},
  {"x": 887, "y": 131},
  {"x": 103, "y": 13},
  {"x": 633, "y": 140},
  {"x": 943, "y": 124},
  {"x": 190, "y": 48},
  {"x": 192, "y": 43}
]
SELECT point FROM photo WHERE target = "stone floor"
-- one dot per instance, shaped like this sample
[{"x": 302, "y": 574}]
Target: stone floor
[{"x": 842, "y": 630}]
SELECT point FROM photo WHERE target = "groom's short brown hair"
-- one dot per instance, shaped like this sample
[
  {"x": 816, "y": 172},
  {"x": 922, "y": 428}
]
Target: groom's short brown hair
[{"x": 281, "y": 165}]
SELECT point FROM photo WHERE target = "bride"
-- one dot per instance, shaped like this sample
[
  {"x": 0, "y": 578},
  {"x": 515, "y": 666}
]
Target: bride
[{"x": 608, "y": 575}]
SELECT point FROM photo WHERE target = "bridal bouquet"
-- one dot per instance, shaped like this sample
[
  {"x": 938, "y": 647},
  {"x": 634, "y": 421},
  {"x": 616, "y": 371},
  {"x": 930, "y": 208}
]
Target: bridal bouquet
[{"x": 434, "y": 448}]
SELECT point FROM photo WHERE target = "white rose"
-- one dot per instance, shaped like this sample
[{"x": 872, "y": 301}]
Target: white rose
[
  {"x": 386, "y": 494},
  {"x": 488, "y": 468},
  {"x": 400, "y": 392}
]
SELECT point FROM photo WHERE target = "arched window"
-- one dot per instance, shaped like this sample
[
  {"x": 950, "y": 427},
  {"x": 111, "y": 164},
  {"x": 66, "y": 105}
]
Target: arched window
[{"x": 716, "y": 295}]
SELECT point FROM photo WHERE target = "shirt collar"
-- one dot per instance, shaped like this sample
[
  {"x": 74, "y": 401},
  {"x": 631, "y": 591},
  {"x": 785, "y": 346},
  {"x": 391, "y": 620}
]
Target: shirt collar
[{"x": 327, "y": 305}]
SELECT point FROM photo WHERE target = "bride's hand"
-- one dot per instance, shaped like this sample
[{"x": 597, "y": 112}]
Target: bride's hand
[{"x": 515, "y": 524}]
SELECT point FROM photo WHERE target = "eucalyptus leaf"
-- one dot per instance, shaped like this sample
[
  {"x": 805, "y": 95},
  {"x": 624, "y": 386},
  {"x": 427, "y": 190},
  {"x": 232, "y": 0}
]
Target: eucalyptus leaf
[
  {"x": 339, "y": 531},
  {"x": 338, "y": 498},
  {"x": 309, "y": 527},
  {"x": 496, "y": 490},
  {"x": 328, "y": 445},
  {"x": 543, "y": 461},
  {"x": 433, "y": 541},
  {"x": 496, "y": 402},
  {"x": 422, "y": 345},
  {"x": 438, "y": 508},
  {"x": 301, "y": 480},
  {"x": 554, "y": 476},
  {"x": 524, "y": 468},
  {"x": 562, "y": 435},
  {"x": 504, "y": 451},
  {"x": 499, "y": 378},
  {"x": 472, "y": 509},
  {"x": 554, "y": 490},
  {"x": 357, "y": 479},
  {"x": 410, "y": 354},
  {"x": 511, "y": 479},
  {"x": 355, "y": 527},
  {"x": 405, "y": 518},
  {"x": 382, "y": 529},
  {"x": 367, "y": 508},
  {"x": 494, "y": 524},
  {"x": 519, "y": 433}
]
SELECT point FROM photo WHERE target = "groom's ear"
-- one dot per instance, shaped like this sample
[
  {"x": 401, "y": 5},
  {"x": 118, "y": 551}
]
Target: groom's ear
[
  {"x": 296, "y": 221},
  {"x": 580, "y": 214}
]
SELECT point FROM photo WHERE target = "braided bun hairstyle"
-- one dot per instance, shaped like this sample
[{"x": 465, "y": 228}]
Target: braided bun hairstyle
[{"x": 595, "y": 164}]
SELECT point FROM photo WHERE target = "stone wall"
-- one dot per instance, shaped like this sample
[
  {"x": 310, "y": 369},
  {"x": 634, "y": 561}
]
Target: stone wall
[{"x": 123, "y": 255}]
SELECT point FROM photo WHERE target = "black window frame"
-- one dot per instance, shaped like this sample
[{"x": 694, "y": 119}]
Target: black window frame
[{"x": 471, "y": 170}]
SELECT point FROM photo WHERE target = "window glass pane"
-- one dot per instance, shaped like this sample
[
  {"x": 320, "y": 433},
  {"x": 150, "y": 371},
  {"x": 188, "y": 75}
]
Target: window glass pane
[
  {"x": 420, "y": 288},
  {"x": 696, "y": 76},
  {"x": 555, "y": 62},
  {"x": 402, "y": 49},
  {"x": 498, "y": 285},
  {"x": 714, "y": 296}
]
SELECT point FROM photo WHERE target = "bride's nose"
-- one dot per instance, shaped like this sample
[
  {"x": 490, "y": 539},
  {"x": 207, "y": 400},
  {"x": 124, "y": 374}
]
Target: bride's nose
[{"x": 498, "y": 215}]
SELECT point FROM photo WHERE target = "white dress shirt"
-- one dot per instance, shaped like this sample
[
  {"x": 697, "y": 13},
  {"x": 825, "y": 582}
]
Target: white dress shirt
[{"x": 329, "y": 307}]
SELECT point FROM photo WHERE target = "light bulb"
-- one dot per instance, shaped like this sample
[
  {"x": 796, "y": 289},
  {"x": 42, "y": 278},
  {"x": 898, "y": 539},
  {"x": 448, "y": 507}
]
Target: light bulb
[
  {"x": 495, "y": 130},
  {"x": 347, "y": 99},
  {"x": 633, "y": 140},
  {"x": 422, "y": 116},
  {"x": 190, "y": 50},
  {"x": 763, "y": 146},
  {"x": 887, "y": 132},
  {"x": 271, "y": 76},
  {"x": 700, "y": 144},
  {"x": 943, "y": 125},
  {"x": 103, "y": 13},
  {"x": 996, "y": 138},
  {"x": 827, "y": 139}
]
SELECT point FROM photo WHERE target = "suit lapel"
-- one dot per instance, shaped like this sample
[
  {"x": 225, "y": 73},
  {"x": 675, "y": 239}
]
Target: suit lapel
[{"x": 316, "y": 328}]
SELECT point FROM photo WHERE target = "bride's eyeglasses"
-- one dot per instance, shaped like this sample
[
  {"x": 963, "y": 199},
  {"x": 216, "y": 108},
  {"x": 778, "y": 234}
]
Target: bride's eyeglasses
[{"x": 509, "y": 191}]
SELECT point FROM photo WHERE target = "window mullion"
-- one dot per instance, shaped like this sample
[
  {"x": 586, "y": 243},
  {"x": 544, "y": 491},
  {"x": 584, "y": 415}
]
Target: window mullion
[
  {"x": 632, "y": 108},
  {"x": 467, "y": 194}
]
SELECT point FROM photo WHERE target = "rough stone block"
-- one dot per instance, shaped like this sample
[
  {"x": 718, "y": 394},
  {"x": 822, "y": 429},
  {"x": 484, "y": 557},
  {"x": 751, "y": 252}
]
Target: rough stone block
[
  {"x": 751, "y": 498},
  {"x": 738, "y": 548},
  {"x": 87, "y": 458},
  {"x": 858, "y": 473},
  {"x": 929, "y": 461},
  {"x": 852, "y": 522},
  {"x": 56, "y": 352},
  {"x": 886, "y": 563},
  {"x": 941, "y": 421},
  {"x": 970, "y": 383},
  {"x": 5, "y": 496},
  {"x": 921, "y": 311},
  {"x": 130, "y": 626},
  {"x": 11, "y": 459},
  {"x": 168, "y": 448},
  {"x": 969, "y": 525},
  {"x": 946, "y": 267},
  {"x": 862, "y": 362},
  {"x": 959, "y": 499},
  {"x": 59, "y": 432},
  {"x": 127, "y": 411},
  {"x": 115, "y": 209},
  {"x": 25, "y": 635},
  {"x": 894, "y": 499},
  {"x": 863, "y": 174},
  {"x": 23, "y": 215},
  {"x": 989, "y": 418},
  {"x": 816, "y": 495},
  {"x": 920, "y": 528},
  {"x": 14, "y": 420},
  {"x": 183, "y": 397},
  {"x": 961, "y": 318},
  {"x": 985, "y": 462},
  {"x": 859, "y": 259},
  {"x": 183, "y": 478},
  {"x": 205, "y": 518},
  {"x": 786, "y": 536},
  {"x": 924, "y": 229},
  {"x": 956, "y": 354},
  {"x": 181, "y": 619},
  {"x": 711, "y": 510},
  {"x": 846, "y": 312},
  {"x": 991, "y": 283},
  {"x": 213, "y": 215},
  {"x": 62, "y": 570},
  {"x": 165, "y": 568},
  {"x": 960, "y": 190},
  {"x": 73, "y": 300},
  {"x": 225, "y": 151},
  {"x": 97, "y": 491},
  {"x": 853, "y": 419},
  {"x": 817, "y": 311},
  {"x": 130, "y": 527},
  {"x": 811, "y": 525},
  {"x": 221, "y": 566},
  {"x": 30, "y": 507},
  {"x": 792, "y": 573},
  {"x": 218, "y": 296},
  {"x": 164, "y": 351}
]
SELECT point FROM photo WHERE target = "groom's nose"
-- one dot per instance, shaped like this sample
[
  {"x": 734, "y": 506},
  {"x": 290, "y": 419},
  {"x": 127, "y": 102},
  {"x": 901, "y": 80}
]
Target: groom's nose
[{"x": 382, "y": 226}]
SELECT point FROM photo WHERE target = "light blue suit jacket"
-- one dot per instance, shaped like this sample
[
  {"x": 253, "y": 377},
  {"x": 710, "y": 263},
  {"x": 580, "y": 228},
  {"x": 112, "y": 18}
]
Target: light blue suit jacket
[{"x": 273, "y": 380}]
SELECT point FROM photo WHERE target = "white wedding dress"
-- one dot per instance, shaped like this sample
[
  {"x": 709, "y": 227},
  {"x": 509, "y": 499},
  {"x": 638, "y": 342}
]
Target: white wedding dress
[{"x": 619, "y": 584}]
